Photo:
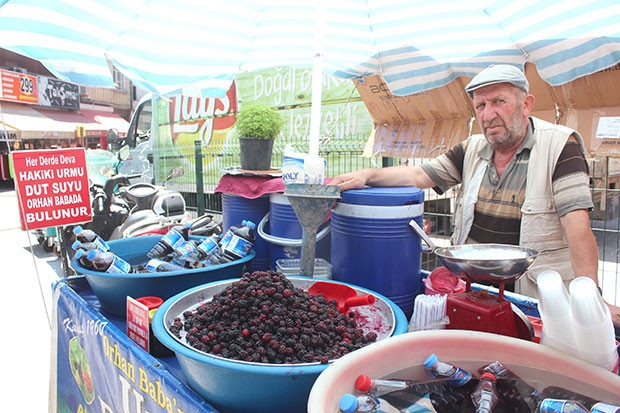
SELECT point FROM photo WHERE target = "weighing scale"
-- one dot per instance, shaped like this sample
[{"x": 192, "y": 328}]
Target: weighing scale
[
  {"x": 480, "y": 310},
  {"x": 485, "y": 263}
]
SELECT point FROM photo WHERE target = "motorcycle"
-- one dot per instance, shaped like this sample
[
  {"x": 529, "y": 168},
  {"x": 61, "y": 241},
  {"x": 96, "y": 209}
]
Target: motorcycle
[
  {"x": 47, "y": 239},
  {"x": 123, "y": 205}
]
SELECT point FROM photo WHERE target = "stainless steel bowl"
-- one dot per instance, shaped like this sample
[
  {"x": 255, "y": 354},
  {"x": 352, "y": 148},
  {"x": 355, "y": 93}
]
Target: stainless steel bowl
[{"x": 487, "y": 262}]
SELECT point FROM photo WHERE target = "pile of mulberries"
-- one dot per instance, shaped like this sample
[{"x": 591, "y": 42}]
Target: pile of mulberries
[{"x": 264, "y": 318}]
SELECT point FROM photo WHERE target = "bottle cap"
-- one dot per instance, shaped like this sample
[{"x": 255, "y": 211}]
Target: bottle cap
[
  {"x": 79, "y": 253},
  {"x": 250, "y": 224},
  {"x": 91, "y": 254},
  {"x": 76, "y": 244},
  {"x": 363, "y": 383},
  {"x": 488, "y": 375},
  {"x": 430, "y": 361},
  {"x": 348, "y": 403},
  {"x": 77, "y": 229}
]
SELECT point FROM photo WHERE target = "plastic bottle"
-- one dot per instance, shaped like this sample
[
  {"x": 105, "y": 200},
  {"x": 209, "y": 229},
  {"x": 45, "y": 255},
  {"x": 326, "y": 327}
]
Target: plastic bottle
[
  {"x": 184, "y": 229},
  {"x": 238, "y": 241},
  {"x": 207, "y": 249},
  {"x": 88, "y": 246},
  {"x": 80, "y": 255},
  {"x": 169, "y": 242},
  {"x": 381, "y": 387},
  {"x": 88, "y": 235},
  {"x": 484, "y": 396},
  {"x": 184, "y": 249},
  {"x": 561, "y": 406},
  {"x": 595, "y": 406},
  {"x": 511, "y": 387},
  {"x": 157, "y": 265},
  {"x": 350, "y": 403},
  {"x": 107, "y": 261},
  {"x": 456, "y": 376}
]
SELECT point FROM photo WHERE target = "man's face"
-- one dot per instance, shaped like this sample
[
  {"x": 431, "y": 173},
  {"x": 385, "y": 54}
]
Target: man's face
[{"x": 502, "y": 114}]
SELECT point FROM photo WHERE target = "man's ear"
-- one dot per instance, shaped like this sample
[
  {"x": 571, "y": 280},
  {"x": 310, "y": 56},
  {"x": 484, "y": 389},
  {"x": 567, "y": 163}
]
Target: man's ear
[{"x": 528, "y": 104}]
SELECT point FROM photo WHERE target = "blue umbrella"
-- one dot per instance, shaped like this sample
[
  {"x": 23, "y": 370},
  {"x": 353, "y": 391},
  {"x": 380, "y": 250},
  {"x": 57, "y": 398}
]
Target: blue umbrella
[{"x": 416, "y": 45}]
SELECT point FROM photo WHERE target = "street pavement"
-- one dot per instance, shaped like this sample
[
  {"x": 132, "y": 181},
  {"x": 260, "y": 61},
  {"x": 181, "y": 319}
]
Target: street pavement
[{"x": 26, "y": 310}]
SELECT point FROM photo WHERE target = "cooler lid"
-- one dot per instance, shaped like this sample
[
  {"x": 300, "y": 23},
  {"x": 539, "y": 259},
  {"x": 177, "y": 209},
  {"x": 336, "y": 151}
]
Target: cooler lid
[{"x": 383, "y": 196}]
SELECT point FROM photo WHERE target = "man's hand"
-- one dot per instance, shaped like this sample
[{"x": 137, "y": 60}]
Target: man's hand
[
  {"x": 353, "y": 180},
  {"x": 615, "y": 314}
]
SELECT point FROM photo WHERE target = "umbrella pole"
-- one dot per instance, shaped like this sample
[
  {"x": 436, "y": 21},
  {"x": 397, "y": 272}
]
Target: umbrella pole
[{"x": 317, "y": 80}]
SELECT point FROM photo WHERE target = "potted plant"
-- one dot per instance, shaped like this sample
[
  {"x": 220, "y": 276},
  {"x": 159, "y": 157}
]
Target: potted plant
[{"x": 257, "y": 127}]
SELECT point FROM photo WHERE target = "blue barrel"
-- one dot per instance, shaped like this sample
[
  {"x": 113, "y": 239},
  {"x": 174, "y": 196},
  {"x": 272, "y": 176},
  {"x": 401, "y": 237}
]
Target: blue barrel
[
  {"x": 235, "y": 209},
  {"x": 372, "y": 244},
  {"x": 286, "y": 232}
]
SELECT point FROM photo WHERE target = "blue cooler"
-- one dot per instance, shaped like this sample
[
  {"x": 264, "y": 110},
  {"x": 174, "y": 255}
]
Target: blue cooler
[
  {"x": 235, "y": 209},
  {"x": 372, "y": 244}
]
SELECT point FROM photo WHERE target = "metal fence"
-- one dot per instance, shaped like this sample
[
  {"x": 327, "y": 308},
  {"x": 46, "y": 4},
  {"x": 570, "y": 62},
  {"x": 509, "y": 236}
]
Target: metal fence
[{"x": 346, "y": 155}]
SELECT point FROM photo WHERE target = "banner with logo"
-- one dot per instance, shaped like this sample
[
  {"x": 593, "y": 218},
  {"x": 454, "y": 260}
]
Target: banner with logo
[
  {"x": 179, "y": 122},
  {"x": 97, "y": 368}
]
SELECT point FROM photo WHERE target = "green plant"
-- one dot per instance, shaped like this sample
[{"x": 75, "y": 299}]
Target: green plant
[{"x": 259, "y": 122}]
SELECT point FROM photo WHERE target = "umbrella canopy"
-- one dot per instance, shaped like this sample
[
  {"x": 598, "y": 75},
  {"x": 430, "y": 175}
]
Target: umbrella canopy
[{"x": 416, "y": 45}]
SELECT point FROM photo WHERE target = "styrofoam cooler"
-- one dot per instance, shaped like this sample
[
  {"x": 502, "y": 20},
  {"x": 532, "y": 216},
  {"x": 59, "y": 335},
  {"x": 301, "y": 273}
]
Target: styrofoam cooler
[
  {"x": 372, "y": 244},
  {"x": 235, "y": 209}
]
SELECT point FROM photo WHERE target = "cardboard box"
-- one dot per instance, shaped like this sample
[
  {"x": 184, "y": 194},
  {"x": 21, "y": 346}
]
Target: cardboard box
[{"x": 429, "y": 123}]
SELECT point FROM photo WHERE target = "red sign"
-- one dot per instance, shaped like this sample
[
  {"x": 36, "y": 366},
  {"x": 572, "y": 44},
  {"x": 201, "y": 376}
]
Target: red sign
[
  {"x": 138, "y": 323},
  {"x": 52, "y": 187},
  {"x": 18, "y": 87}
]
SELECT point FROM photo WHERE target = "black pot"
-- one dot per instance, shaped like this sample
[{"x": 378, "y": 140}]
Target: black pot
[{"x": 255, "y": 153}]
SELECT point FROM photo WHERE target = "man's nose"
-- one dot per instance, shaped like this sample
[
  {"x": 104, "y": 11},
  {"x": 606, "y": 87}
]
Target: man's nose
[{"x": 487, "y": 115}]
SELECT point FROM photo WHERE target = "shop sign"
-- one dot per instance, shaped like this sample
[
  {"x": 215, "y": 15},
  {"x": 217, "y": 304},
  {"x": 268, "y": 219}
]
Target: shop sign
[
  {"x": 52, "y": 187},
  {"x": 58, "y": 93},
  {"x": 19, "y": 87},
  {"x": 8, "y": 135}
]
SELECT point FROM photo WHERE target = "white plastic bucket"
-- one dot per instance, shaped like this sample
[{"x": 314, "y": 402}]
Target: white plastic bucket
[{"x": 403, "y": 356}]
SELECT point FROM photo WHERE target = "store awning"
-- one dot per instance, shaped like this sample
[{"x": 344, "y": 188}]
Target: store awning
[
  {"x": 8, "y": 133},
  {"x": 107, "y": 121},
  {"x": 30, "y": 123}
]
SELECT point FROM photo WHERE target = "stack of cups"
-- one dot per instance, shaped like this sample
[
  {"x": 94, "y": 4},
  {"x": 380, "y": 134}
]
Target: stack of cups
[
  {"x": 555, "y": 312},
  {"x": 594, "y": 329},
  {"x": 578, "y": 323}
]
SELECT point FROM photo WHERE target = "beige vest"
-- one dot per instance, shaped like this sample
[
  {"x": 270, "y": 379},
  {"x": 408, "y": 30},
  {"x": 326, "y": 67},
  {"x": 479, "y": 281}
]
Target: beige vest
[{"x": 540, "y": 224}]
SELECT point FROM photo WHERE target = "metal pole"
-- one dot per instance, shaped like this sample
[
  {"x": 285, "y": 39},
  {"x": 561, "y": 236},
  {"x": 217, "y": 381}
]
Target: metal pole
[
  {"x": 200, "y": 190},
  {"x": 60, "y": 237}
]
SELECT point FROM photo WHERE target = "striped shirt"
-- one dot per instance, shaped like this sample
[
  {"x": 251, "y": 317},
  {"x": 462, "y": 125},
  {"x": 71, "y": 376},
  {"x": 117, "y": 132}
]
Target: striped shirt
[{"x": 497, "y": 217}]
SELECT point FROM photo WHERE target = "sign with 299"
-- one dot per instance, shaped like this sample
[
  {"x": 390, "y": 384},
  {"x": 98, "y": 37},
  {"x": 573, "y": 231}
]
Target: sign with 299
[
  {"x": 27, "y": 85},
  {"x": 19, "y": 87}
]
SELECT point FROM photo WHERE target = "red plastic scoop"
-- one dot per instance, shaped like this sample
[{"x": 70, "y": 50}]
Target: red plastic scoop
[{"x": 344, "y": 295}]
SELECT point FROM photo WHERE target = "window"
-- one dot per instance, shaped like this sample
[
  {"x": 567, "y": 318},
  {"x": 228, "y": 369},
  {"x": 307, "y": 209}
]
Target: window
[{"x": 119, "y": 79}]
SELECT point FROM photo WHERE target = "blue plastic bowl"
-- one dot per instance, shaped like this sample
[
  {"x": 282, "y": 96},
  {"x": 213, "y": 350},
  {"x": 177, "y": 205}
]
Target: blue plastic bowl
[
  {"x": 112, "y": 289},
  {"x": 239, "y": 387}
]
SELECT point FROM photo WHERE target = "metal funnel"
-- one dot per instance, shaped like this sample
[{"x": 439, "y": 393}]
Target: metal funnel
[{"x": 311, "y": 204}]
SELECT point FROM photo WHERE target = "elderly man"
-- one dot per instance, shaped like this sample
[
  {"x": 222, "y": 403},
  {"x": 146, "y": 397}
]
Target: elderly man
[{"x": 524, "y": 181}]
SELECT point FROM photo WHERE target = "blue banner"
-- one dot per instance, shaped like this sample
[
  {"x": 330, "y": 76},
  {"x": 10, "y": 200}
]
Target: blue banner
[{"x": 97, "y": 368}]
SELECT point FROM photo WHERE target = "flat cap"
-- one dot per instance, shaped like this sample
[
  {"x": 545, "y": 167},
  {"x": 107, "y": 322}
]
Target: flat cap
[{"x": 498, "y": 74}]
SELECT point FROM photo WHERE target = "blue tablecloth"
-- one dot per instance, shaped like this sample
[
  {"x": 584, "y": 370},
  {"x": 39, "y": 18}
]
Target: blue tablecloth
[{"x": 96, "y": 367}]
